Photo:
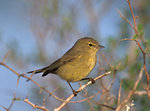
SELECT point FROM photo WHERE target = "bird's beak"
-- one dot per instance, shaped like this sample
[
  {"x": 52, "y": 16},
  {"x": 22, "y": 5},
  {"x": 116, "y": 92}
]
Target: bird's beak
[{"x": 100, "y": 46}]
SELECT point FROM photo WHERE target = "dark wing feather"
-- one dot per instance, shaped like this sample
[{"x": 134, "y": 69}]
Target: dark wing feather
[{"x": 38, "y": 70}]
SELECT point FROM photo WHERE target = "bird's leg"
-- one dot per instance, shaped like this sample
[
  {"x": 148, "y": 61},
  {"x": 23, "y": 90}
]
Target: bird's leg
[
  {"x": 90, "y": 79},
  {"x": 74, "y": 92}
]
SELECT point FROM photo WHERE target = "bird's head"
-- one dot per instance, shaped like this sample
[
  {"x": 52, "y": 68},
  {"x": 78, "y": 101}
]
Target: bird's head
[{"x": 87, "y": 44}]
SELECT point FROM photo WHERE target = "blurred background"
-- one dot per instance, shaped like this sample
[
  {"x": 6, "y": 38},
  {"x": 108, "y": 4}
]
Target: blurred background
[{"x": 37, "y": 32}]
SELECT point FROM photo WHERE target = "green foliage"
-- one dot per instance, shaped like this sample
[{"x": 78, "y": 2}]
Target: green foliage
[
  {"x": 140, "y": 27},
  {"x": 135, "y": 68},
  {"x": 112, "y": 41},
  {"x": 46, "y": 12},
  {"x": 96, "y": 108},
  {"x": 127, "y": 84},
  {"x": 124, "y": 63},
  {"x": 147, "y": 49},
  {"x": 137, "y": 51},
  {"x": 144, "y": 102},
  {"x": 148, "y": 41},
  {"x": 148, "y": 45},
  {"x": 149, "y": 61},
  {"x": 140, "y": 30},
  {"x": 135, "y": 36}
]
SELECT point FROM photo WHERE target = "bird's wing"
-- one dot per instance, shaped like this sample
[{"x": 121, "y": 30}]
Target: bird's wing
[{"x": 67, "y": 57}]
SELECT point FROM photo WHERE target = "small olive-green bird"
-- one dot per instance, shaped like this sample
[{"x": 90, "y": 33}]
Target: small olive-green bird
[{"x": 76, "y": 63}]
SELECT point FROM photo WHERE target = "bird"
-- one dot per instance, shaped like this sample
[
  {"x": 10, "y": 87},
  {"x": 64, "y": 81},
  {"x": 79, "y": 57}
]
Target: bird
[{"x": 76, "y": 63}]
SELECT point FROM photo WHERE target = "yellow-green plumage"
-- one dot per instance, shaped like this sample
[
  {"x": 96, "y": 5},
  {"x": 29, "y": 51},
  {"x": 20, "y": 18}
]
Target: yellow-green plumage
[
  {"x": 75, "y": 64},
  {"x": 76, "y": 70}
]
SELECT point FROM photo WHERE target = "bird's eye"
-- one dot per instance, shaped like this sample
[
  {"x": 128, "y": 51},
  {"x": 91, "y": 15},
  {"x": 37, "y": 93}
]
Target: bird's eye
[{"x": 90, "y": 45}]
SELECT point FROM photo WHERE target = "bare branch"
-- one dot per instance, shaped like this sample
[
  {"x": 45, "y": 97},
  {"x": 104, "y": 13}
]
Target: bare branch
[
  {"x": 12, "y": 103},
  {"x": 140, "y": 93},
  {"x": 34, "y": 105},
  {"x": 6, "y": 55},
  {"x": 109, "y": 107}
]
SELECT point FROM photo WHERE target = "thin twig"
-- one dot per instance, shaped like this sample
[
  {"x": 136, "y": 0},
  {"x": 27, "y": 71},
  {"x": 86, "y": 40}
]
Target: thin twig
[
  {"x": 6, "y": 55},
  {"x": 125, "y": 19},
  {"x": 126, "y": 39},
  {"x": 88, "y": 98},
  {"x": 119, "y": 94},
  {"x": 34, "y": 105},
  {"x": 140, "y": 93},
  {"x": 12, "y": 103},
  {"x": 134, "y": 18},
  {"x": 109, "y": 107},
  {"x": 104, "y": 57},
  {"x": 91, "y": 106}
]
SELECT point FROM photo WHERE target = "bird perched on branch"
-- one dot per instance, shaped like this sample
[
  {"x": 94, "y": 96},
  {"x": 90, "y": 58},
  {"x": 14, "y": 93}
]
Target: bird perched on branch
[{"x": 76, "y": 63}]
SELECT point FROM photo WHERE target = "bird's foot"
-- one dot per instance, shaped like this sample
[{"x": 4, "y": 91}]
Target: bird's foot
[
  {"x": 92, "y": 80},
  {"x": 75, "y": 92}
]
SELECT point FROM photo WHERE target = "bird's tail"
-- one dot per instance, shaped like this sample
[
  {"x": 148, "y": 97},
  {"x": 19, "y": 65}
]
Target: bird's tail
[{"x": 38, "y": 70}]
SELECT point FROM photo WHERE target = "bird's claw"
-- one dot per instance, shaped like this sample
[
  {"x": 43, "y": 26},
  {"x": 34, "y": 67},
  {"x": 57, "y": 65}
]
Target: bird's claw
[
  {"x": 75, "y": 92},
  {"x": 92, "y": 80}
]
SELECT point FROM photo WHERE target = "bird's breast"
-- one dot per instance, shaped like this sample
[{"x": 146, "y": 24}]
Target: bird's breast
[
  {"x": 77, "y": 69},
  {"x": 91, "y": 62}
]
